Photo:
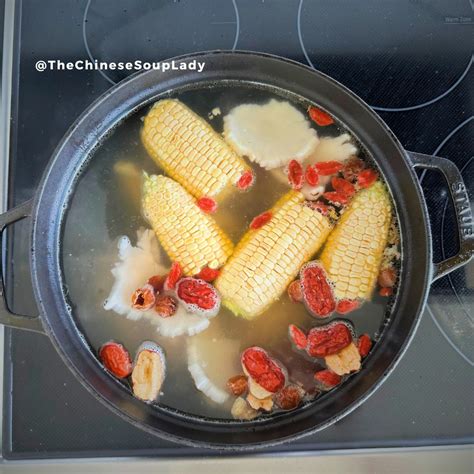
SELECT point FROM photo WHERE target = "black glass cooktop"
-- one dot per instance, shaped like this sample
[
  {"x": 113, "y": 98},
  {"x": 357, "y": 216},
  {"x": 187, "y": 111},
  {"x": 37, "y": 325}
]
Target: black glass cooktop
[{"x": 411, "y": 60}]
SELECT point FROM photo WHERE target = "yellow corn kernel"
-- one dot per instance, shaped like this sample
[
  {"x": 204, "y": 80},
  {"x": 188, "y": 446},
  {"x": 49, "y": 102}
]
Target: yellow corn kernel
[
  {"x": 360, "y": 237},
  {"x": 266, "y": 260},
  {"x": 189, "y": 150},
  {"x": 188, "y": 235}
]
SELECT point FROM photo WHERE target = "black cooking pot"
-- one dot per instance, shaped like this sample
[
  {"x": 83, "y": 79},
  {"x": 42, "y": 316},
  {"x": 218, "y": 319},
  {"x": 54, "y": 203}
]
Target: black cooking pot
[{"x": 417, "y": 272}]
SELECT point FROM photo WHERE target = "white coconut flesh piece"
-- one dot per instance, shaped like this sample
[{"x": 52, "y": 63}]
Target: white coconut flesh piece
[
  {"x": 211, "y": 362},
  {"x": 333, "y": 149},
  {"x": 271, "y": 134},
  {"x": 135, "y": 265},
  {"x": 149, "y": 371}
]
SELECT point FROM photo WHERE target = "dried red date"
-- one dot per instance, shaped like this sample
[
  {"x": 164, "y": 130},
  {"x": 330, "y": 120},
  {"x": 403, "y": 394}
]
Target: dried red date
[
  {"x": 198, "y": 296},
  {"x": 317, "y": 292},
  {"x": 328, "y": 340},
  {"x": 116, "y": 359},
  {"x": 263, "y": 370}
]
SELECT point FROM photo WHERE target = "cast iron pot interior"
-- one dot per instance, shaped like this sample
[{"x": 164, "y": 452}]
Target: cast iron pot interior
[{"x": 122, "y": 100}]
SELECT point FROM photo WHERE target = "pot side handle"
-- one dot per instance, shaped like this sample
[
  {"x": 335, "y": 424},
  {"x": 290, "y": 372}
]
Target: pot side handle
[
  {"x": 462, "y": 207},
  {"x": 7, "y": 317}
]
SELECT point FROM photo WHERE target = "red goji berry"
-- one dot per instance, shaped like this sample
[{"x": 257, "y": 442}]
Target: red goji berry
[
  {"x": 264, "y": 370},
  {"x": 246, "y": 180},
  {"x": 311, "y": 176},
  {"x": 294, "y": 292},
  {"x": 327, "y": 378},
  {"x": 144, "y": 298},
  {"x": 327, "y": 168},
  {"x": 366, "y": 177},
  {"x": 346, "y": 306},
  {"x": 364, "y": 345},
  {"x": 386, "y": 292},
  {"x": 328, "y": 340},
  {"x": 116, "y": 359},
  {"x": 320, "y": 117},
  {"x": 352, "y": 167},
  {"x": 336, "y": 197},
  {"x": 157, "y": 282},
  {"x": 175, "y": 273},
  {"x": 295, "y": 174},
  {"x": 343, "y": 186},
  {"x": 317, "y": 292},
  {"x": 208, "y": 274},
  {"x": 207, "y": 205},
  {"x": 261, "y": 220},
  {"x": 297, "y": 336}
]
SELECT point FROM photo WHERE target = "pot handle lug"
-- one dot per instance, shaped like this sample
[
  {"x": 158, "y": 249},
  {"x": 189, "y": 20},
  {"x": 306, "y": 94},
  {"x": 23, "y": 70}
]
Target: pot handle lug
[
  {"x": 7, "y": 317},
  {"x": 462, "y": 207}
]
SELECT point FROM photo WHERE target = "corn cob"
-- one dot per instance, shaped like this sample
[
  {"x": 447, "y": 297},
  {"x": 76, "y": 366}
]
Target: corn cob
[
  {"x": 353, "y": 252},
  {"x": 189, "y": 236},
  {"x": 189, "y": 150},
  {"x": 266, "y": 260}
]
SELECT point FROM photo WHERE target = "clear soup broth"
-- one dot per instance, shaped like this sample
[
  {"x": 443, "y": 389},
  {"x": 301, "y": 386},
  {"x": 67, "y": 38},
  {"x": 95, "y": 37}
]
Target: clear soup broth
[{"x": 104, "y": 208}]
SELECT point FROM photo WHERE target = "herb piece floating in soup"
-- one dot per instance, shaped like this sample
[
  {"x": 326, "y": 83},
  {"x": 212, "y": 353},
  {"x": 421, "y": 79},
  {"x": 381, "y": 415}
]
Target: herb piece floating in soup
[
  {"x": 211, "y": 362},
  {"x": 271, "y": 134},
  {"x": 190, "y": 151},
  {"x": 149, "y": 371}
]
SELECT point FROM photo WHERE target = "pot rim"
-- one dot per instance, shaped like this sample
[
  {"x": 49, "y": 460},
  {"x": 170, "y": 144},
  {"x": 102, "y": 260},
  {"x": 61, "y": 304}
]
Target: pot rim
[{"x": 38, "y": 259}]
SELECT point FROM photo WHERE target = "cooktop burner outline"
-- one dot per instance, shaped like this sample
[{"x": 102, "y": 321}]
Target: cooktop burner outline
[
  {"x": 32, "y": 365},
  {"x": 113, "y": 82},
  {"x": 390, "y": 109},
  {"x": 441, "y": 230}
]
